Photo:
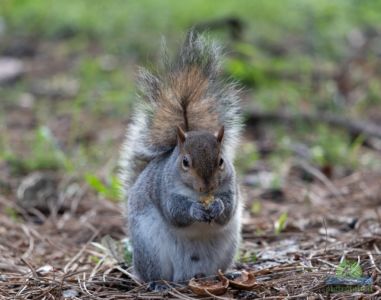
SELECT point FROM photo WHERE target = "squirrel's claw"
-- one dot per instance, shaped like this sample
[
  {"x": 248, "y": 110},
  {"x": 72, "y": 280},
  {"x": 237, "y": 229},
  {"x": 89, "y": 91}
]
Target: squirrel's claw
[
  {"x": 216, "y": 209},
  {"x": 158, "y": 286},
  {"x": 198, "y": 213}
]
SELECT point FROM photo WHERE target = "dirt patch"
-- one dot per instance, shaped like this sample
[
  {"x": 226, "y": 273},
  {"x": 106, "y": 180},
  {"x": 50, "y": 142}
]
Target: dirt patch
[{"x": 65, "y": 254}]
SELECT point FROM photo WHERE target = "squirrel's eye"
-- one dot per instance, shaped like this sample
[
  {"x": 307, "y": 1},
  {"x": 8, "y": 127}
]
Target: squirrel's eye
[
  {"x": 221, "y": 163},
  {"x": 185, "y": 163}
]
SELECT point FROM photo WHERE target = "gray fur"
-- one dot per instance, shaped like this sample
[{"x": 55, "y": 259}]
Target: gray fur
[
  {"x": 137, "y": 150},
  {"x": 197, "y": 50},
  {"x": 167, "y": 230},
  {"x": 173, "y": 236}
]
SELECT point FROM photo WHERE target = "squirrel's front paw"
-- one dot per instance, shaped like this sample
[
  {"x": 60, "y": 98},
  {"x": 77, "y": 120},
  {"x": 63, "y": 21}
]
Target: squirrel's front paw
[
  {"x": 198, "y": 213},
  {"x": 216, "y": 209}
]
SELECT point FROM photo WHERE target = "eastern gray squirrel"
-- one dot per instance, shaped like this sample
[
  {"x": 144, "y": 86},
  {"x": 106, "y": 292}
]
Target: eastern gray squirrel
[{"x": 183, "y": 205}]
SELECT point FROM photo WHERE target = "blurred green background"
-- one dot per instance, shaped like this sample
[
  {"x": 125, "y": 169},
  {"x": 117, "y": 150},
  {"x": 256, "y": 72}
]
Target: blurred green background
[{"x": 66, "y": 106}]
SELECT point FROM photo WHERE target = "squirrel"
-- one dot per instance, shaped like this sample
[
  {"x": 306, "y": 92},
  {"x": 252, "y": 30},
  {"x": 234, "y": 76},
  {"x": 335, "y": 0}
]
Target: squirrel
[{"x": 183, "y": 205}]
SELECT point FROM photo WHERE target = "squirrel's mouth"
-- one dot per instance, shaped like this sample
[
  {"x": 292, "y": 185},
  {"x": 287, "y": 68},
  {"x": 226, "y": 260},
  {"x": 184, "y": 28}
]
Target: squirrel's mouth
[{"x": 206, "y": 199}]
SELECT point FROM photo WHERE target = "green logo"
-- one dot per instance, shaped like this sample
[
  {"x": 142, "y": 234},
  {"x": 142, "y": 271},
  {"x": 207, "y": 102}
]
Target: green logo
[
  {"x": 349, "y": 269},
  {"x": 348, "y": 278}
]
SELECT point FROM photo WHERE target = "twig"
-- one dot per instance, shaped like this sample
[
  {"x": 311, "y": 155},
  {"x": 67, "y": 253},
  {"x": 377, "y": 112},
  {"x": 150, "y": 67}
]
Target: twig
[
  {"x": 324, "y": 179},
  {"x": 66, "y": 268},
  {"x": 373, "y": 262},
  {"x": 31, "y": 242},
  {"x": 326, "y": 236},
  {"x": 30, "y": 267},
  {"x": 354, "y": 127}
]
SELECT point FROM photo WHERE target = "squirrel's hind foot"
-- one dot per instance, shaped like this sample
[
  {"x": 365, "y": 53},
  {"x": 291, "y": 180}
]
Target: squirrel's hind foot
[{"x": 160, "y": 286}]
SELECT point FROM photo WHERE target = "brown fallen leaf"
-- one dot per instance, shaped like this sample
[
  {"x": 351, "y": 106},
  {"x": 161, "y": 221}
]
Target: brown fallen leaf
[
  {"x": 205, "y": 287},
  {"x": 243, "y": 281}
]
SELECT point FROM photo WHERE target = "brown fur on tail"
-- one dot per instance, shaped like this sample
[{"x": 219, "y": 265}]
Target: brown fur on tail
[
  {"x": 183, "y": 101},
  {"x": 188, "y": 93}
]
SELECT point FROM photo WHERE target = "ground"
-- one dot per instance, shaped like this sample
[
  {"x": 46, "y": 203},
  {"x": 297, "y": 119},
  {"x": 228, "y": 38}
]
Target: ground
[{"x": 310, "y": 175}]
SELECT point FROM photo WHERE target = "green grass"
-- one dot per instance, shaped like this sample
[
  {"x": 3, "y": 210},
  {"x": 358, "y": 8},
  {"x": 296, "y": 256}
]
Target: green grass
[
  {"x": 135, "y": 25},
  {"x": 44, "y": 154},
  {"x": 102, "y": 42},
  {"x": 110, "y": 190},
  {"x": 281, "y": 223}
]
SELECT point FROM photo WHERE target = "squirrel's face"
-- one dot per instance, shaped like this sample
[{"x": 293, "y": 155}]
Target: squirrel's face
[{"x": 200, "y": 163}]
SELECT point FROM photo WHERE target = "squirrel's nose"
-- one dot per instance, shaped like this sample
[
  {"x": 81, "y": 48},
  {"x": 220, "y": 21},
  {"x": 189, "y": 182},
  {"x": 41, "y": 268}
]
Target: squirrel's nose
[
  {"x": 212, "y": 187},
  {"x": 204, "y": 188}
]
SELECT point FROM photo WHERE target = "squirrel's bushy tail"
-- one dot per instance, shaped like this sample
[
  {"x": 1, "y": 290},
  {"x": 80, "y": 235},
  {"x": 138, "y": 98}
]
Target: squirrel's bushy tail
[{"x": 188, "y": 93}]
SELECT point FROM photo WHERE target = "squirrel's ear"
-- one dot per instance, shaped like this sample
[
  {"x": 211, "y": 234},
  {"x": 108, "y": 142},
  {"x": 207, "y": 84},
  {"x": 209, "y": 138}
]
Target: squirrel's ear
[
  {"x": 181, "y": 135},
  {"x": 220, "y": 134}
]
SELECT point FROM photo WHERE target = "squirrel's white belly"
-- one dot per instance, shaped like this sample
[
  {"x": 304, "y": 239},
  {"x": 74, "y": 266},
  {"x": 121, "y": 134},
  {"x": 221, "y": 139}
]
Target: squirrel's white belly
[
  {"x": 202, "y": 248},
  {"x": 183, "y": 252}
]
